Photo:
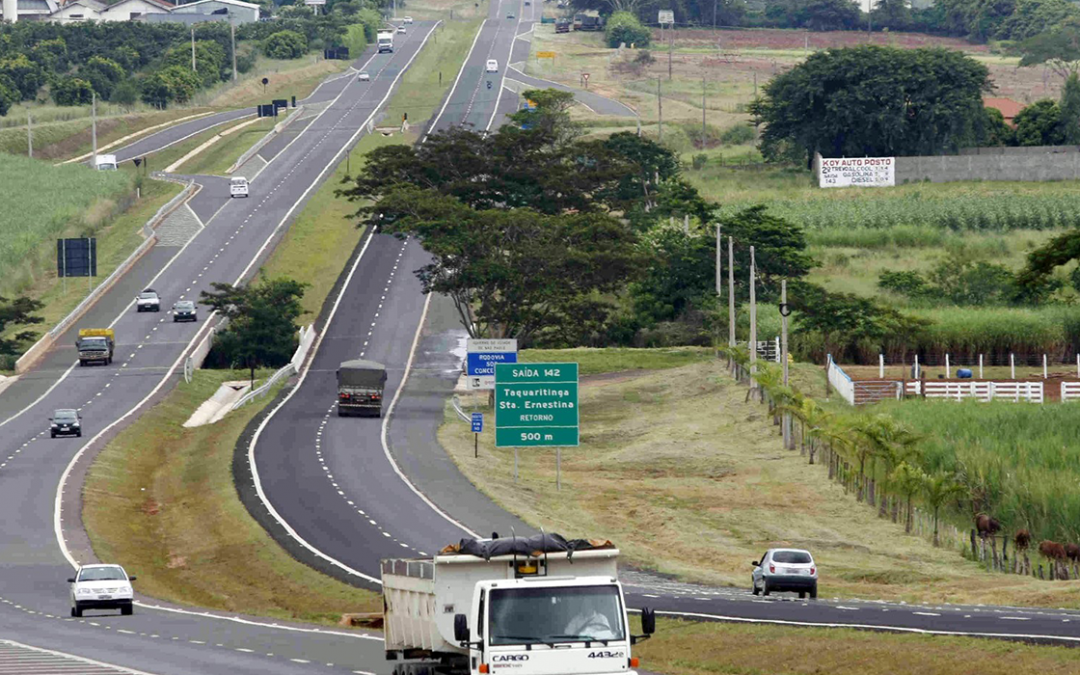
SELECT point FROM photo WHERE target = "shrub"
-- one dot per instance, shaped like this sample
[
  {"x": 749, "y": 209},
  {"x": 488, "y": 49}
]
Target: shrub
[
  {"x": 624, "y": 27},
  {"x": 699, "y": 161},
  {"x": 285, "y": 44},
  {"x": 9, "y": 96},
  {"x": 740, "y": 134},
  {"x": 26, "y": 75},
  {"x": 126, "y": 93},
  {"x": 72, "y": 91},
  {"x": 102, "y": 74}
]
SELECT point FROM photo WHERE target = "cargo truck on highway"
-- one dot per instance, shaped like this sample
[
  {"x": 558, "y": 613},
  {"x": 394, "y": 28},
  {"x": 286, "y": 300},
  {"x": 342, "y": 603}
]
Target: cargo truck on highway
[
  {"x": 536, "y": 605},
  {"x": 95, "y": 345},
  {"x": 360, "y": 388},
  {"x": 385, "y": 41}
]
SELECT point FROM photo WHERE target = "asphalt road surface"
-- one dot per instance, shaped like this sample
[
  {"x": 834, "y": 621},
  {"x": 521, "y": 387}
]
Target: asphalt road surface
[{"x": 231, "y": 238}]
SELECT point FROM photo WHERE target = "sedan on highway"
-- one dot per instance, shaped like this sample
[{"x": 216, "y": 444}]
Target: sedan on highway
[
  {"x": 510, "y": 15},
  {"x": 65, "y": 422},
  {"x": 408, "y": 19},
  {"x": 101, "y": 587},
  {"x": 184, "y": 310},
  {"x": 364, "y": 77},
  {"x": 147, "y": 301},
  {"x": 492, "y": 66},
  {"x": 785, "y": 569},
  {"x": 401, "y": 28}
]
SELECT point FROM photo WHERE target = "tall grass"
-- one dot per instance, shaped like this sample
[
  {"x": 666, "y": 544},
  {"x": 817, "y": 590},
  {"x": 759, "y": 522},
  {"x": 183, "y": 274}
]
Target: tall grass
[
  {"x": 1024, "y": 459},
  {"x": 42, "y": 201}
]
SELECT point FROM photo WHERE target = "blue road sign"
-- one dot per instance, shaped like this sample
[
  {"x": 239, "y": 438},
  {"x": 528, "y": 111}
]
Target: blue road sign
[
  {"x": 477, "y": 423},
  {"x": 483, "y": 363}
]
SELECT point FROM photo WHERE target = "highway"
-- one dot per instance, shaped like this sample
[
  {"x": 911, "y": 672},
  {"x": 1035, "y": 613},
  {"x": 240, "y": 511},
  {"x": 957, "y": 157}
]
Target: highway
[{"x": 226, "y": 242}]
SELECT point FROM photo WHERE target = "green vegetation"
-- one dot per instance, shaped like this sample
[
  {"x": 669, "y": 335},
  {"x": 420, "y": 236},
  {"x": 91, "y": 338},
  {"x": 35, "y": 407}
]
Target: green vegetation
[
  {"x": 683, "y": 447},
  {"x": 689, "y": 648},
  {"x": 286, "y": 44},
  {"x": 616, "y": 359},
  {"x": 139, "y": 510}
]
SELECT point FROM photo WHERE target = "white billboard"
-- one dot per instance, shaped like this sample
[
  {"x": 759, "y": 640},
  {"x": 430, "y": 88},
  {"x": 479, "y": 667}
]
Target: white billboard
[
  {"x": 857, "y": 172},
  {"x": 666, "y": 16}
]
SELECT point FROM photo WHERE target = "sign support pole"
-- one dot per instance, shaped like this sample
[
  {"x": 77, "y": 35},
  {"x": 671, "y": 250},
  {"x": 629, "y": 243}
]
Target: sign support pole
[
  {"x": 476, "y": 446},
  {"x": 515, "y": 464},
  {"x": 753, "y": 329},
  {"x": 788, "y": 440},
  {"x": 558, "y": 468}
]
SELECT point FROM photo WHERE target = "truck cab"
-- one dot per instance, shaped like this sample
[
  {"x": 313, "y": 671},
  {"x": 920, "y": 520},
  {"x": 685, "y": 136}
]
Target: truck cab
[
  {"x": 105, "y": 163},
  {"x": 528, "y": 606},
  {"x": 95, "y": 345}
]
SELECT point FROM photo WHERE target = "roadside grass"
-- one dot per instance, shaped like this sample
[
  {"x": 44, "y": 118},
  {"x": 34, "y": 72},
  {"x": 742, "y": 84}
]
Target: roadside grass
[
  {"x": 287, "y": 78},
  {"x": 676, "y": 468},
  {"x": 234, "y": 140},
  {"x": 433, "y": 10},
  {"x": 615, "y": 359},
  {"x": 689, "y": 648},
  {"x": 160, "y": 500},
  {"x": 421, "y": 90}
]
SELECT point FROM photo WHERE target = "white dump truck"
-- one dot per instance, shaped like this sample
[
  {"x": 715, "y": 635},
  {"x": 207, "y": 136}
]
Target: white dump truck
[{"x": 536, "y": 605}]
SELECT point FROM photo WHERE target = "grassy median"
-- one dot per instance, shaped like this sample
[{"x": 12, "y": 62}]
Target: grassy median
[
  {"x": 160, "y": 499},
  {"x": 676, "y": 468},
  {"x": 686, "y": 648}
]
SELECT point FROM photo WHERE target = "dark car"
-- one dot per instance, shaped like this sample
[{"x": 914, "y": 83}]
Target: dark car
[
  {"x": 65, "y": 422},
  {"x": 562, "y": 26},
  {"x": 184, "y": 310}
]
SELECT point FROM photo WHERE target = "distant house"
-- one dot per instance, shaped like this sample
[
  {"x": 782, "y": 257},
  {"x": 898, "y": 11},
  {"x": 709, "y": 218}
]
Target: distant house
[
  {"x": 235, "y": 10},
  {"x": 1008, "y": 107},
  {"x": 79, "y": 10},
  {"x": 26, "y": 10}
]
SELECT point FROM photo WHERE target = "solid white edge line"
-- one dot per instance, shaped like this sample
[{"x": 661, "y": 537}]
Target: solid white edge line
[
  {"x": 461, "y": 71},
  {"x": 266, "y": 420},
  {"x": 345, "y": 148},
  {"x": 260, "y": 624},
  {"x": 74, "y": 657},
  {"x": 895, "y": 629},
  {"x": 390, "y": 413}
]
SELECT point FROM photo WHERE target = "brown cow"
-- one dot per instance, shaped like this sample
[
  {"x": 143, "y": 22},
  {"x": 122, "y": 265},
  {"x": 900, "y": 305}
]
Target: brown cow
[
  {"x": 1052, "y": 550},
  {"x": 1072, "y": 551},
  {"x": 986, "y": 525},
  {"x": 1022, "y": 540}
]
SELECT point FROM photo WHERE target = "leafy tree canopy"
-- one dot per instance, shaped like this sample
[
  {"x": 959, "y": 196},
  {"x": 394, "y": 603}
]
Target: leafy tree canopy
[{"x": 17, "y": 312}]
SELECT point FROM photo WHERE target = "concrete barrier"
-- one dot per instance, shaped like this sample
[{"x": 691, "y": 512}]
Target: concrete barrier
[{"x": 270, "y": 135}]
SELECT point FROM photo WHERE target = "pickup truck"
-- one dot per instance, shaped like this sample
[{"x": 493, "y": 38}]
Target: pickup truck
[
  {"x": 537, "y": 605},
  {"x": 95, "y": 345}
]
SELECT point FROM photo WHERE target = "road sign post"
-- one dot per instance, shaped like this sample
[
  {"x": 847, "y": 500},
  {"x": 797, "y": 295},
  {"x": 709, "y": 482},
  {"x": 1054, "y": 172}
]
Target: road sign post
[
  {"x": 477, "y": 428},
  {"x": 536, "y": 405}
]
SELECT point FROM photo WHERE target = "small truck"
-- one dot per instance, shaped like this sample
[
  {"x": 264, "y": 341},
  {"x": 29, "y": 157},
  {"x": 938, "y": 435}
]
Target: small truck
[
  {"x": 385, "y": 39},
  {"x": 360, "y": 388},
  {"x": 537, "y": 605},
  {"x": 95, "y": 345}
]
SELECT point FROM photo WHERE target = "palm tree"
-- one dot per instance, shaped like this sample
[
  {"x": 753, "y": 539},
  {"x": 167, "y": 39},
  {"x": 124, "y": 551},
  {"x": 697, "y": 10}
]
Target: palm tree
[
  {"x": 939, "y": 489},
  {"x": 908, "y": 480}
]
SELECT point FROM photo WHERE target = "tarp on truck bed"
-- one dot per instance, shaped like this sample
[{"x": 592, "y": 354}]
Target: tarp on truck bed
[
  {"x": 535, "y": 546},
  {"x": 360, "y": 373}
]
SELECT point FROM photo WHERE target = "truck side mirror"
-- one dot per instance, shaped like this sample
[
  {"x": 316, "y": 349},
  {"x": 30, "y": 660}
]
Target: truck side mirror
[
  {"x": 648, "y": 621},
  {"x": 461, "y": 628}
]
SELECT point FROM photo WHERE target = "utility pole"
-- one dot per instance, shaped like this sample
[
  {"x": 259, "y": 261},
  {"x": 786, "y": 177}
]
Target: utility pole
[
  {"x": 753, "y": 328},
  {"x": 714, "y": 14},
  {"x": 93, "y": 125},
  {"x": 660, "y": 112},
  {"x": 671, "y": 48},
  {"x": 719, "y": 276},
  {"x": 703, "y": 113},
  {"x": 232, "y": 32},
  {"x": 193, "y": 68},
  {"x": 731, "y": 290},
  {"x": 29, "y": 136},
  {"x": 786, "y": 421},
  {"x": 869, "y": 20}
]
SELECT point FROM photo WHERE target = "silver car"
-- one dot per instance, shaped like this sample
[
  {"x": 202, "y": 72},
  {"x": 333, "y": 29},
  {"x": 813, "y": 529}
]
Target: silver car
[
  {"x": 101, "y": 587},
  {"x": 785, "y": 569}
]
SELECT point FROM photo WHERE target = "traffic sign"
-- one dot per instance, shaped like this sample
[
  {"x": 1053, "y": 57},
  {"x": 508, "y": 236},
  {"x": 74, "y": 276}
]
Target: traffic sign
[
  {"x": 545, "y": 55},
  {"x": 481, "y": 358},
  {"x": 477, "y": 423},
  {"x": 536, "y": 405},
  {"x": 666, "y": 16}
]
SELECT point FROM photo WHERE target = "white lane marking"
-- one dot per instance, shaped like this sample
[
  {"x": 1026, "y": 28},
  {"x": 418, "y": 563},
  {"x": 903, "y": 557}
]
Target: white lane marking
[
  {"x": 464, "y": 65},
  {"x": 1017, "y": 618},
  {"x": 927, "y": 613},
  {"x": 9, "y": 656},
  {"x": 894, "y": 629}
]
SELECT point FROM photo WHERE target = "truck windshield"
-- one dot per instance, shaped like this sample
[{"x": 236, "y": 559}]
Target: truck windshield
[
  {"x": 545, "y": 615},
  {"x": 94, "y": 343}
]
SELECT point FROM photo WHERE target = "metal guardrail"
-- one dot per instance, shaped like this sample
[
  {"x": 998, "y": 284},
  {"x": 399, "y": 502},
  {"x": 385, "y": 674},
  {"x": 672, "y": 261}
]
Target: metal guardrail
[
  {"x": 457, "y": 408},
  {"x": 286, "y": 371}
]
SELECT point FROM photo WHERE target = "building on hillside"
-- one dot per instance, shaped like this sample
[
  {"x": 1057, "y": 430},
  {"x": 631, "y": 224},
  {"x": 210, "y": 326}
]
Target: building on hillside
[
  {"x": 1008, "y": 107},
  {"x": 79, "y": 10},
  {"x": 233, "y": 11},
  {"x": 130, "y": 10},
  {"x": 26, "y": 10}
]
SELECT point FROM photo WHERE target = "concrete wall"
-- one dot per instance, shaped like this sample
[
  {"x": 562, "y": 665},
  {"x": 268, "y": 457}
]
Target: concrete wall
[{"x": 1000, "y": 165}]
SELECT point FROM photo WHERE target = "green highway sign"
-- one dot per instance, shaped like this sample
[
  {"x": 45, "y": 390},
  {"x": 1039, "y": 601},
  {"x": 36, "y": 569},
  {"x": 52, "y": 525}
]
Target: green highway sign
[{"x": 536, "y": 404}]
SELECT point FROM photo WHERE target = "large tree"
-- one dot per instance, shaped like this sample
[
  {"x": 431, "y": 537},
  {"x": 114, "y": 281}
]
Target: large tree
[
  {"x": 1058, "y": 48},
  {"x": 262, "y": 329},
  {"x": 876, "y": 101},
  {"x": 17, "y": 312}
]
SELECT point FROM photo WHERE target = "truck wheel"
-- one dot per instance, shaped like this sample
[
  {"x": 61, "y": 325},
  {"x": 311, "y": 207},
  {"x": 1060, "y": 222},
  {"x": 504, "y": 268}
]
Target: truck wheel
[
  {"x": 126, "y": 610},
  {"x": 108, "y": 361},
  {"x": 82, "y": 363}
]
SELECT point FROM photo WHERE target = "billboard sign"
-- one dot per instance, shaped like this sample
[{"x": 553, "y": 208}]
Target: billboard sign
[
  {"x": 536, "y": 405},
  {"x": 481, "y": 358},
  {"x": 857, "y": 172},
  {"x": 76, "y": 257},
  {"x": 666, "y": 16}
]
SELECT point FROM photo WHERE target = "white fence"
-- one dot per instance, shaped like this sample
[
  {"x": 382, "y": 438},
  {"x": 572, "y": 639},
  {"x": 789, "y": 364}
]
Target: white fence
[
  {"x": 1031, "y": 392},
  {"x": 307, "y": 337},
  {"x": 1070, "y": 391},
  {"x": 841, "y": 381}
]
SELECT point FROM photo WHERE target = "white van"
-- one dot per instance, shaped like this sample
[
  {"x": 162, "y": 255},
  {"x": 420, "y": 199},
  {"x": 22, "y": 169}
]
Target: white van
[
  {"x": 492, "y": 66},
  {"x": 238, "y": 186},
  {"x": 105, "y": 163}
]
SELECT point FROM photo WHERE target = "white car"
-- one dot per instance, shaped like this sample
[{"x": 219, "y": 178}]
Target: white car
[
  {"x": 148, "y": 301},
  {"x": 785, "y": 569},
  {"x": 408, "y": 19},
  {"x": 401, "y": 28},
  {"x": 363, "y": 77},
  {"x": 492, "y": 66},
  {"x": 238, "y": 186},
  {"x": 101, "y": 587}
]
